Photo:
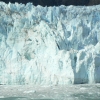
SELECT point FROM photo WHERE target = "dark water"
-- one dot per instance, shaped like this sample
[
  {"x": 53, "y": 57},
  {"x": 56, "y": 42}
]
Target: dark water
[
  {"x": 79, "y": 97},
  {"x": 21, "y": 98},
  {"x": 86, "y": 96}
]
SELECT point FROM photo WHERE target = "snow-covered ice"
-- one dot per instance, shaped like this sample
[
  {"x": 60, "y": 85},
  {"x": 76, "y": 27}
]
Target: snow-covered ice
[{"x": 49, "y": 45}]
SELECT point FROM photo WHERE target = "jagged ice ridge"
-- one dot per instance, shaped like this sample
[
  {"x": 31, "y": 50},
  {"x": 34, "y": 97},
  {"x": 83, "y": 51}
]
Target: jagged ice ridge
[{"x": 49, "y": 45}]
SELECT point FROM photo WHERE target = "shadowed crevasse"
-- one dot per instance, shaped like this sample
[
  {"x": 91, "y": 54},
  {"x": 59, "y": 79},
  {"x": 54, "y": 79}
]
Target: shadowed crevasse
[{"x": 56, "y": 2}]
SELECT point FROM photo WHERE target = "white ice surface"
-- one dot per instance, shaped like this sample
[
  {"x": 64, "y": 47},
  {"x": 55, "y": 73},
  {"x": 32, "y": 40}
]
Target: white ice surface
[{"x": 49, "y": 45}]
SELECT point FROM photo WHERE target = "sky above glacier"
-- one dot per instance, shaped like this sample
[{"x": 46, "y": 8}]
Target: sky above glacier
[{"x": 52, "y": 2}]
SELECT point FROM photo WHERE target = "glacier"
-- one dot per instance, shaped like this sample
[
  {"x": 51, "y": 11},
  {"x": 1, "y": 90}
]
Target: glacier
[{"x": 49, "y": 45}]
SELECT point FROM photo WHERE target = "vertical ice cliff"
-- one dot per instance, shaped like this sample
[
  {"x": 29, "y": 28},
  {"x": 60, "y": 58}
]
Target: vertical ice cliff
[{"x": 49, "y": 45}]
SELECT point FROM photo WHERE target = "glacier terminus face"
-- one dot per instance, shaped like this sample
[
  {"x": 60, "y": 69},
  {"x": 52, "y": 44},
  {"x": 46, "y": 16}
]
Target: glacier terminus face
[{"x": 49, "y": 45}]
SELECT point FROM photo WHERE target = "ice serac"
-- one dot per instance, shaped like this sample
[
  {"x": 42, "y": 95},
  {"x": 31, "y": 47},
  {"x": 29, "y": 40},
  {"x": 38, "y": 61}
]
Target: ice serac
[{"x": 49, "y": 45}]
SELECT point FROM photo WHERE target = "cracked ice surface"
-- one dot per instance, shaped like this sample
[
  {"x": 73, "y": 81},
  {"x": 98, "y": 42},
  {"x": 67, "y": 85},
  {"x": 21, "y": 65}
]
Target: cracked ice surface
[{"x": 49, "y": 45}]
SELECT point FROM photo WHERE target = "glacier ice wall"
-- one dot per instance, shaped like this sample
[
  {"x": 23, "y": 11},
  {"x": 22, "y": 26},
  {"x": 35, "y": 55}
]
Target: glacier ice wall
[{"x": 49, "y": 45}]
